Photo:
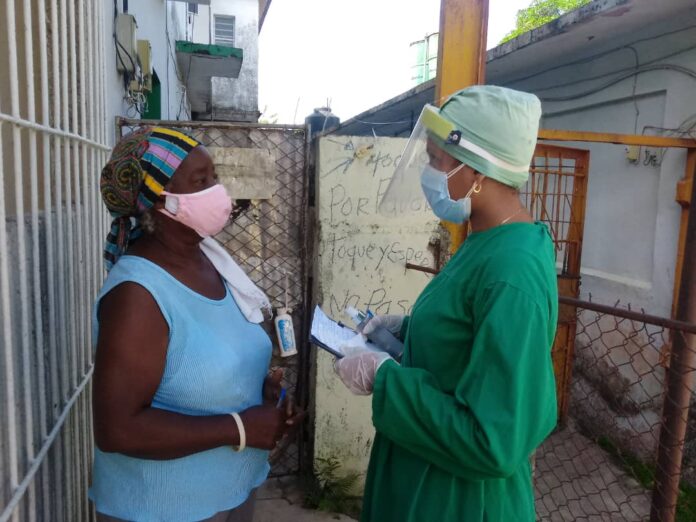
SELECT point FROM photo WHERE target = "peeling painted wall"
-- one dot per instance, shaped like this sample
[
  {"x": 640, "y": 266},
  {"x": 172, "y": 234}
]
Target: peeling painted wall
[
  {"x": 246, "y": 173},
  {"x": 361, "y": 262}
]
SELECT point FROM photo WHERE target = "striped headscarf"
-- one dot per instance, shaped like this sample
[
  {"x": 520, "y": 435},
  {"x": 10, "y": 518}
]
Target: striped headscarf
[{"x": 140, "y": 167}]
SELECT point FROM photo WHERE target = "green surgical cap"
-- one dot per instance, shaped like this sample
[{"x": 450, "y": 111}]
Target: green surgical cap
[{"x": 503, "y": 123}]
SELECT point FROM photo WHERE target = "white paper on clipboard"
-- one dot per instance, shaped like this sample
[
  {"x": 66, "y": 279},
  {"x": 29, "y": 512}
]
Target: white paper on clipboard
[{"x": 332, "y": 334}]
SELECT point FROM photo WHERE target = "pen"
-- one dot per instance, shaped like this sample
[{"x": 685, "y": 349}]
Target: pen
[{"x": 281, "y": 398}]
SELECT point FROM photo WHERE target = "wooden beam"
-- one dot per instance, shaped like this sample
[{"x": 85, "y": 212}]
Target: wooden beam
[
  {"x": 461, "y": 61},
  {"x": 616, "y": 139}
]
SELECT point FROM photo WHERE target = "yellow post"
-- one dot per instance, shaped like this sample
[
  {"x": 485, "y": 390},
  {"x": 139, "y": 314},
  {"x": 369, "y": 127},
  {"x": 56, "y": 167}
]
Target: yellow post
[{"x": 461, "y": 61}]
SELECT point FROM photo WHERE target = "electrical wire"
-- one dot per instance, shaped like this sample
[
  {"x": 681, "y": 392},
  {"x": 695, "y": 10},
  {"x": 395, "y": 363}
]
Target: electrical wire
[
  {"x": 670, "y": 67},
  {"x": 635, "y": 87},
  {"x": 593, "y": 57},
  {"x": 170, "y": 54},
  {"x": 135, "y": 101},
  {"x": 586, "y": 79},
  {"x": 381, "y": 122},
  {"x": 687, "y": 128},
  {"x": 185, "y": 84}
]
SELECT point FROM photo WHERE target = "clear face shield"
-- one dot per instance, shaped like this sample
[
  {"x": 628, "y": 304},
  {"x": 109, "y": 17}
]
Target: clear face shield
[{"x": 404, "y": 194}]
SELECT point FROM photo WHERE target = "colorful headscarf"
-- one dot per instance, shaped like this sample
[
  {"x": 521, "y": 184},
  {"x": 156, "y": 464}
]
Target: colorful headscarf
[{"x": 140, "y": 167}]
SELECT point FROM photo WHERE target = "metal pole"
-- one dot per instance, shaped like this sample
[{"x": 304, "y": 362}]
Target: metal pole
[
  {"x": 22, "y": 273},
  {"x": 461, "y": 61},
  {"x": 680, "y": 381},
  {"x": 419, "y": 268}
]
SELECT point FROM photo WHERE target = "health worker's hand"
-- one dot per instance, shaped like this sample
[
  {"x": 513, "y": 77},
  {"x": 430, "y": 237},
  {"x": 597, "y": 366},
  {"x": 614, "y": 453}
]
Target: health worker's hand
[
  {"x": 357, "y": 370},
  {"x": 392, "y": 323}
]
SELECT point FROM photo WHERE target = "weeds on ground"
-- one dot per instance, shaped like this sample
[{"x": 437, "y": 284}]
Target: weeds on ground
[
  {"x": 327, "y": 490},
  {"x": 645, "y": 475}
]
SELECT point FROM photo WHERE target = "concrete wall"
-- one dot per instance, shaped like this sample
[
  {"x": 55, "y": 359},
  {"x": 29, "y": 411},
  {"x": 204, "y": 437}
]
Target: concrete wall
[
  {"x": 361, "y": 262},
  {"x": 632, "y": 221},
  {"x": 232, "y": 96},
  {"x": 162, "y": 23}
]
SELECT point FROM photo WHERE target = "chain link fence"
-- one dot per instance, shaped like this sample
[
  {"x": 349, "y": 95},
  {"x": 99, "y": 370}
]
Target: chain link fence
[
  {"x": 268, "y": 236},
  {"x": 602, "y": 463}
]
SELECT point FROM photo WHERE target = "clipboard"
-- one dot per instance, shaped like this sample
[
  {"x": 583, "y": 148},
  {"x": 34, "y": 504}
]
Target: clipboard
[
  {"x": 326, "y": 347},
  {"x": 329, "y": 335}
]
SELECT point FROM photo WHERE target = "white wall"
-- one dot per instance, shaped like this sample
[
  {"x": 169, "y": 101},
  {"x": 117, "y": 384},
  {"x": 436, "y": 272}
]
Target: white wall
[
  {"x": 162, "y": 22},
  {"x": 361, "y": 262},
  {"x": 238, "y": 94},
  {"x": 632, "y": 219}
]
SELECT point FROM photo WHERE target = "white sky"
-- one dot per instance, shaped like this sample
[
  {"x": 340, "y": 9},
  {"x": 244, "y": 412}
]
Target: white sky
[{"x": 355, "y": 53}]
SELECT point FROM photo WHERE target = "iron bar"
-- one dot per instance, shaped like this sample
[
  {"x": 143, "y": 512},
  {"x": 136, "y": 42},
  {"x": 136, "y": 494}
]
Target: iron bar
[
  {"x": 131, "y": 122},
  {"x": 616, "y": 139},
  {"x": 419, "y": 268},
  {"x": 680, "y": 381},
  {"x": 41, "y": 455},
  {"x": 672, "y": 324},
  {"x": 21, "y": 257},
  {"x": 21, "y": 122}
]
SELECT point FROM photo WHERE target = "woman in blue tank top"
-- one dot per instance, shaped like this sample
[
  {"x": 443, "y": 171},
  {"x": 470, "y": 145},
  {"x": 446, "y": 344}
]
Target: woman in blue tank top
[{"x": 184, "y": 409}]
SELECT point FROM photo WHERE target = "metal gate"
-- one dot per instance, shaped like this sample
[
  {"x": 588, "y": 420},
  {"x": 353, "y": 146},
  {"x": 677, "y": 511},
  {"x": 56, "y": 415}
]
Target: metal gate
[
  {"x": 556, "y": 194},
  {"x": 270, "y": 238},
  {"x": 52, "y": 141}
]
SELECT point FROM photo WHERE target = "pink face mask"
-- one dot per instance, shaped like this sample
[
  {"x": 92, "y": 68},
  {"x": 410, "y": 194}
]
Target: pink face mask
[{"x": 206, "y": 212}]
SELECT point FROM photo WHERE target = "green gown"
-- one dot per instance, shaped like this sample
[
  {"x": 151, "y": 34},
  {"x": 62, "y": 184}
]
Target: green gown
[{"x": 475, "y": 393}]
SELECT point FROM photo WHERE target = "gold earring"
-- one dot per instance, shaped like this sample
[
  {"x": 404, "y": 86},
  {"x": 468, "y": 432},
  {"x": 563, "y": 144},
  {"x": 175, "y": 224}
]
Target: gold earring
[{"x": 477, "y": 188}]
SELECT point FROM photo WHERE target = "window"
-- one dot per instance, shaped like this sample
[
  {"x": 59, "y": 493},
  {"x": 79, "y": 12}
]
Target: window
[
  {"x": 224, "y": 30},
  {"x": 192, "y": 8}
]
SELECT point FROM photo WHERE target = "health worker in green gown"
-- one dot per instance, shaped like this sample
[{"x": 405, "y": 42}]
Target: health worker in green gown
[{"x": 474, "y": 394}]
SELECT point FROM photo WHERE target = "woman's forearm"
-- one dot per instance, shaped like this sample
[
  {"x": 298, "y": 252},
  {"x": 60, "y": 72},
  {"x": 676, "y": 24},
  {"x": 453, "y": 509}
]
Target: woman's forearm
[{"x": 161, "y": 435}]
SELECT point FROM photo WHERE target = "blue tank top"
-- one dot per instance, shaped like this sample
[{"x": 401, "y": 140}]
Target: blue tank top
[{"x": 216, "y": 364}]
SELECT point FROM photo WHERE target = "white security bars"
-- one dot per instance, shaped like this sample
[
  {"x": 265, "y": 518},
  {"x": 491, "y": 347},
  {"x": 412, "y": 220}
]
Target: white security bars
[{"x": 52, "y": 146}]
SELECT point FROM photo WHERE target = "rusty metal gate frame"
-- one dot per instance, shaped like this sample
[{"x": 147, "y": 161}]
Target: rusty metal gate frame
[
  {"x": 680, "y": 377},
  {"x": 556, "y": 194},
  {"x": 266, "y": 238}
]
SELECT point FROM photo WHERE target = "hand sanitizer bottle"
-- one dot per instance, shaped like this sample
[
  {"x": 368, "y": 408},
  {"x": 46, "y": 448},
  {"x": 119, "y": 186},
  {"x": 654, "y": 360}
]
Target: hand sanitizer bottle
[{"x": 285, "y": 332}]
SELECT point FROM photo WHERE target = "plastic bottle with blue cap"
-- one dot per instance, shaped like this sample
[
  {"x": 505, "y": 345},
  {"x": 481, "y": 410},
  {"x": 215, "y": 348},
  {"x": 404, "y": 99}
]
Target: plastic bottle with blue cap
[{"x": 284, "y": 327}]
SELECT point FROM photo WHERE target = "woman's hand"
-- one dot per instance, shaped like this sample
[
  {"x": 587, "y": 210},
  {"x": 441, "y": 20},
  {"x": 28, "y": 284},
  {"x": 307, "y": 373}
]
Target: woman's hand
[
  {"x": 267, "y": 424},
  {"x": 272, "y": 386},
  {"x": 264, "y": 425}
]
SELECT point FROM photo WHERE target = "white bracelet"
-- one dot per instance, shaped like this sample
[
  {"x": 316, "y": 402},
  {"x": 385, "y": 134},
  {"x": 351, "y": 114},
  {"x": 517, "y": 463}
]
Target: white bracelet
[{"x": 240, "y": 429}]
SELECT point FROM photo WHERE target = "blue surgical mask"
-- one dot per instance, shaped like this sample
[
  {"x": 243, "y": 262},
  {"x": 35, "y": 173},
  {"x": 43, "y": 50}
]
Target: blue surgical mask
[{"x": 434, "y": 185}]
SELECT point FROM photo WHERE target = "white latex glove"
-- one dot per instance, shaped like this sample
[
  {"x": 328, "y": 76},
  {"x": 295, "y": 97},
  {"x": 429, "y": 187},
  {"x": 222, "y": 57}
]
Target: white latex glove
[
  {"x": 393, "y": 323},
  {"x": 358, "y": 368}
]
